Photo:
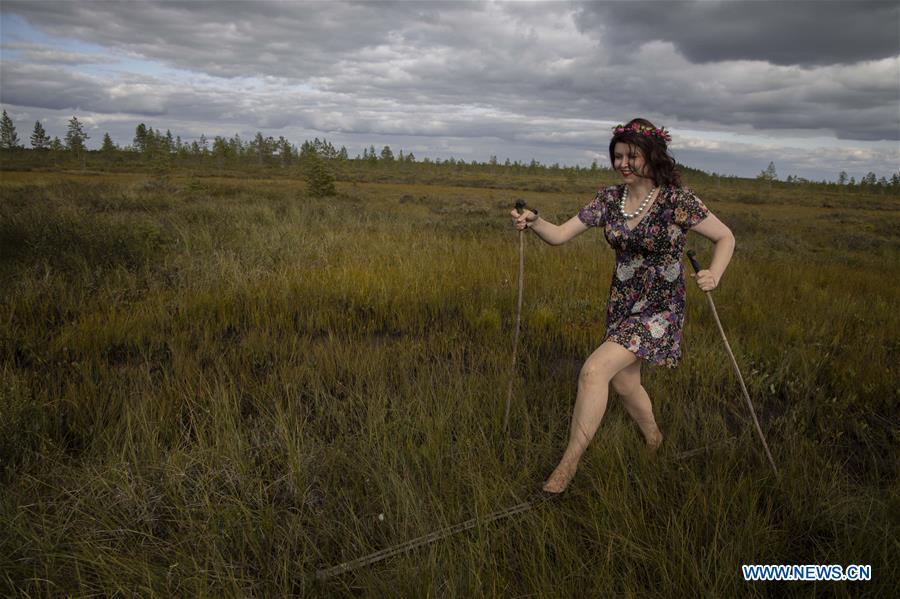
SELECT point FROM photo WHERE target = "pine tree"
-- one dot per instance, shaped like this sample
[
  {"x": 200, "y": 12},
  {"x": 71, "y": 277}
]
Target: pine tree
[
  {"x": 236, "y": 145},
  {"x": 8, "y": 137},
  {"x": 220, "y": 150},
  {"x": 285, "y": 151},
  {"x": 769, "y": 174},
  {"x": 140, "y": 138},
  {"x": 307, "y": 151},
  {"x": 386, "y": 154},
  {"x": 39, "y": 138},
  {"x": 56, "y": 145},
  {"x": 75, "y": 138},
  {"x": 262, "y": 147},
  {"x": 842, "y": 178},
  {"x": 170, "y": 142}
]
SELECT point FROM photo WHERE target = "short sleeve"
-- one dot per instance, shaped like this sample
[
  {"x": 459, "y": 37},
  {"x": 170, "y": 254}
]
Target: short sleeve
[
  {"x": 689, "y": 210},
  {"x": 594, "y": 213}
]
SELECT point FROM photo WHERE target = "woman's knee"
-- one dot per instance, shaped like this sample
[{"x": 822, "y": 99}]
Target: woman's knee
[
  {"x": 592, "y": 373},
  {"x": 604, "y": 363},
  {"x": 596, "y": 371}
]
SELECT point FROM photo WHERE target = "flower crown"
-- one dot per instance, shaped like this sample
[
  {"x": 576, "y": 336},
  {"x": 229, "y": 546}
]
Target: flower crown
[{"x": 644, "y": 131}]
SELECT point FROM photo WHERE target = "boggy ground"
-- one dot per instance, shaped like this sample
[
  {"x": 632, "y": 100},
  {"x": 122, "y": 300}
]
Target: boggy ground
[{"x": 218, "y": 385}]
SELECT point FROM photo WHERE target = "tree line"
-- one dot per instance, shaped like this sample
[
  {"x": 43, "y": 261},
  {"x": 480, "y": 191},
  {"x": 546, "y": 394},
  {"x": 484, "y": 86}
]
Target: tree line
[
  {"x": 154, "y": 147},
  {"x": 869, "y": 180}
]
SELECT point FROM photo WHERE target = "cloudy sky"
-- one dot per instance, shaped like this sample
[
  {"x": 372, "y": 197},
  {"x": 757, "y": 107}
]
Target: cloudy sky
[{"x": 812, "y": 85}]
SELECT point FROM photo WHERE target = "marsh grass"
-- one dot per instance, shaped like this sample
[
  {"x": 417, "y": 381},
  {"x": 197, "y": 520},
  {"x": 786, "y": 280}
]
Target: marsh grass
[{"x": 216, "y": 386}]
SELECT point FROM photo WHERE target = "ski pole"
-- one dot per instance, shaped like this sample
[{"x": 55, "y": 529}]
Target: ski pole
[
  {"x": 693, "y": 258},
  {"x": 520, "y": 206}
]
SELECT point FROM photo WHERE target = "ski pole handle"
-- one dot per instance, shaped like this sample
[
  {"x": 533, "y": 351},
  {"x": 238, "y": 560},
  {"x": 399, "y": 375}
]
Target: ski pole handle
[
  {"x": 520, "y": 205},
  {"x": 692, "y": 256}
]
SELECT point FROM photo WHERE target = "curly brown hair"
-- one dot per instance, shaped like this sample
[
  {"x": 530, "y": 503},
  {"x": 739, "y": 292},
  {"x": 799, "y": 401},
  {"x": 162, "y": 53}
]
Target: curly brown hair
[{"x": 655, "y": 149}]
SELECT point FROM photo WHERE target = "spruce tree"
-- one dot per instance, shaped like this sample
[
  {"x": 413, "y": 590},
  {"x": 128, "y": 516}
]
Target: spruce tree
[
  {"x": 39, "y": 138},
  {"x": 8, "y": 137},
  {"x": 108, "y": 146},
  {"x": 319, "y": 180}
]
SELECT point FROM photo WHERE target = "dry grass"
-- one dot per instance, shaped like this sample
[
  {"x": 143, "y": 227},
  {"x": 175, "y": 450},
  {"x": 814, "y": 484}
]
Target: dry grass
[{"x": 216, "y": 386}]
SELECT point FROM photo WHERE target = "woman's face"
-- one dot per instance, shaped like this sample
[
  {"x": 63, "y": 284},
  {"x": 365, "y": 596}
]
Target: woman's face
[{"x": 629, "y": 161}]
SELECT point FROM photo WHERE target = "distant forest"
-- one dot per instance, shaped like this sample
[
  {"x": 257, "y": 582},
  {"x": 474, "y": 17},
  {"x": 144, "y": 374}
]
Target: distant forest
[{"x": 154, "y": 149}]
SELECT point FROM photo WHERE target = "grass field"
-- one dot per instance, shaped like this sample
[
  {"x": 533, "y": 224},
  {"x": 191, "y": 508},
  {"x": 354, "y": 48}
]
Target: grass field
[{"x": 217, "y": 385}]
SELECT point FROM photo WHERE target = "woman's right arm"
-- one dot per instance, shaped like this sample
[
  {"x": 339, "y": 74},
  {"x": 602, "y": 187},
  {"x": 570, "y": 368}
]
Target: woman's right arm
[
  {"x": 550, "y": 233},
  {"x": 592, "y": 215}
]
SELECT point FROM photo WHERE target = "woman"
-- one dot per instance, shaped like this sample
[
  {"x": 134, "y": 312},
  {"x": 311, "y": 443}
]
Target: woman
[{"x": 645, "y": 219}]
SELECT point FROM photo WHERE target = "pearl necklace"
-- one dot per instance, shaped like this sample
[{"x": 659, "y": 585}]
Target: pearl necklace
[{"x": 640, "y": 209}]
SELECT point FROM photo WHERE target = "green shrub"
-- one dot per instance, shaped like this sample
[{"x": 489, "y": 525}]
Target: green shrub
[{"x": 319, "y": 179}]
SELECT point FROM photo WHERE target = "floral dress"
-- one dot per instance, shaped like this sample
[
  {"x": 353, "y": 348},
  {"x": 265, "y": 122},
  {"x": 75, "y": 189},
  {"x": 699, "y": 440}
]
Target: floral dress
[{"x": 645, "y": 312}]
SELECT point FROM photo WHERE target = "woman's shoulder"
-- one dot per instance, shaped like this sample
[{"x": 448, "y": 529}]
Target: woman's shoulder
[
  {"x": 682, "y": 190},
  {"x": 611, "y": 191},
  {"x": 677, "y": 194}
]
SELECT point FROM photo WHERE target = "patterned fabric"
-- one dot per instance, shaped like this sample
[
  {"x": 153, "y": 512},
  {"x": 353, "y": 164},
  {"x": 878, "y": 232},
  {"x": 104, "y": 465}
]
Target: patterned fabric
[{"x": 645, "y": 312}]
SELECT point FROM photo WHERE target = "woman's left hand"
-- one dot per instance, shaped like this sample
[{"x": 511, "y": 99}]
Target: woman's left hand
[{"x": 706, "y": 280}]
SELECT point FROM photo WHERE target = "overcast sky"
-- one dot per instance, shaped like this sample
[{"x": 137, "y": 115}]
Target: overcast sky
[{"x": 812, "y": 85}]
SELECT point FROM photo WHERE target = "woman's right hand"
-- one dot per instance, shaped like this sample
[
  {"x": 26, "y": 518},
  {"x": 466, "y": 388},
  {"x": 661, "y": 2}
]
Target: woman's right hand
[{"x": 520, "y": 221}]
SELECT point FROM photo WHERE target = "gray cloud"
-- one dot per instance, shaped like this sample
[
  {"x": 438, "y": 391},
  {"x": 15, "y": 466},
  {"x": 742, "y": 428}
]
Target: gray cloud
[
  {"x": 43, "y": 54},
  {"x": 532, "y": 75},
  {"x": 686, "y": 61},
  {"x": 58, "y": 88},
  {"x": 794, "y": 32}
]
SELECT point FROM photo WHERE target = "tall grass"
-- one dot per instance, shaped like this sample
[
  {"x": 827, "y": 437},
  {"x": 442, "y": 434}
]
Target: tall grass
[{"x": 217, "y": 386}]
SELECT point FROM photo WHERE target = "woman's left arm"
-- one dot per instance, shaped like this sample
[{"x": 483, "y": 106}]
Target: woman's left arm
[{"x": 716, "y": 231}]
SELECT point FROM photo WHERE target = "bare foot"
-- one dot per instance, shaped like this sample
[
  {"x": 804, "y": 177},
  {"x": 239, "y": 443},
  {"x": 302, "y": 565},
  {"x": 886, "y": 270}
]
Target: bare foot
[
  {"x": 560, "y": 478},
  {"x": 654, "y": 441}
]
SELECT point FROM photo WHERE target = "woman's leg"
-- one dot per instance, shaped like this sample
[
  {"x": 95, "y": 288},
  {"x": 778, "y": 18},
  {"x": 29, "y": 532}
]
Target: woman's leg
[
  {"x": 627, "y": 384},
  {"x": 590, "y": 405}
]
